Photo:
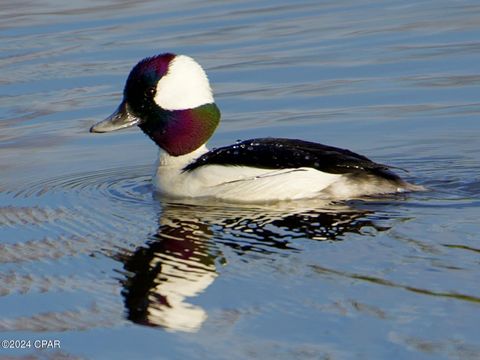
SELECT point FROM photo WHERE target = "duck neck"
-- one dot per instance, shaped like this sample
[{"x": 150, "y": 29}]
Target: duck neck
[
  {"x": 165, "y": 160},
  {"x": 180, "y": 132}
]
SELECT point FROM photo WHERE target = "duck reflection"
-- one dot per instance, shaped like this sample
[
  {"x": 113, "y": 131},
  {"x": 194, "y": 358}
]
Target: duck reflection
[
  {"x": 180, "y": 260},
  {"x": 175, "y": 264}
]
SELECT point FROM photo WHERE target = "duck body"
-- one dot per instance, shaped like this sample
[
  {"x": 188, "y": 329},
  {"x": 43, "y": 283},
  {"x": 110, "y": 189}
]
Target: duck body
[
  {"x": 273, "y": 169},
  {"x": 169, "y": 97}
]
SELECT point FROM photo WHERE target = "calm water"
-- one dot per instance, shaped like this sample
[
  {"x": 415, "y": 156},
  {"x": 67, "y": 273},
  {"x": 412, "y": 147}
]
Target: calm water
[{"x": 90, "y": 257}]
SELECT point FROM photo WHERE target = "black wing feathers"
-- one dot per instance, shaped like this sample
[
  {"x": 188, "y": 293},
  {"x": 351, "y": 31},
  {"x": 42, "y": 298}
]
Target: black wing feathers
[{"x": 277, "y": 153}]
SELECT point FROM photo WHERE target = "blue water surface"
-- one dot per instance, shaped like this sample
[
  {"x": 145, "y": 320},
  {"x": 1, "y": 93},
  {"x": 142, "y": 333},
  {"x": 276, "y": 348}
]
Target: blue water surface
[{"x": 91, "y": 257}]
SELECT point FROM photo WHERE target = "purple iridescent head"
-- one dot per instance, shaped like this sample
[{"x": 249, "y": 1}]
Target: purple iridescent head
[
  {"x": 169, "y": 97},
  {"x": 141, "y": 86}
]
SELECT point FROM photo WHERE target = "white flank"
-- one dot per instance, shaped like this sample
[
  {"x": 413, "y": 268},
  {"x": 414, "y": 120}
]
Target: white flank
[
  {"x": 254, "y": 185},
  {"x": 185, "y": 86},
  {"x": 237, "y": 183}
]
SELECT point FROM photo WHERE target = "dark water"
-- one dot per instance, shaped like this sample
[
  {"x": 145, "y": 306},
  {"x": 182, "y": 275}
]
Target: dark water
[{"x": 89, "y": 257}]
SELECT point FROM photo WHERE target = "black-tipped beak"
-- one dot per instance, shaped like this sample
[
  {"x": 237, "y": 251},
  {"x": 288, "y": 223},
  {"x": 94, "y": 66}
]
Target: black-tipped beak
[{"x": 120, "y": 119}]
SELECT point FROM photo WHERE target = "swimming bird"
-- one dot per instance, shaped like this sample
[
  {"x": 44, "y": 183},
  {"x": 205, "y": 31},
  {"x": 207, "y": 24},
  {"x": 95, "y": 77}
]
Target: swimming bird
[{"x": 169, "y": 98}]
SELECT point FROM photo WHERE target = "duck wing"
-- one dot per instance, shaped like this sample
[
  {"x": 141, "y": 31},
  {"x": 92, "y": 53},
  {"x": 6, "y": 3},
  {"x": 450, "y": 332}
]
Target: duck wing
[{"x": 280, "y": 153}]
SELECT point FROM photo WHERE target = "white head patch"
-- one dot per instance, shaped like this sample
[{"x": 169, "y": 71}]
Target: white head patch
[{"x": 185, "y": 86}]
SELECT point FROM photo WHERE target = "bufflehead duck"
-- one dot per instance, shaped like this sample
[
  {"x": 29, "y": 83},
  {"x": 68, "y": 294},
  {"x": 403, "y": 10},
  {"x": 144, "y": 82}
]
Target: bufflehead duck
[{"x": 169, "y": 97}]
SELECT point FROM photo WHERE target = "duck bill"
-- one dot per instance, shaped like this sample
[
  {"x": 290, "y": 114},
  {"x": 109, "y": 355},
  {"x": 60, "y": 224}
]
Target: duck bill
[{"x": 122, "y": 118}]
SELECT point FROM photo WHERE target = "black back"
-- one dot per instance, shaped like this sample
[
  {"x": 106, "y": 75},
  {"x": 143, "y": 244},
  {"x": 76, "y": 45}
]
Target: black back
[{"x": 278, "y": 153}]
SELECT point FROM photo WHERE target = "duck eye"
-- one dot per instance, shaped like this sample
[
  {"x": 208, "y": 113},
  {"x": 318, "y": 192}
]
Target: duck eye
[{"x": 150, "y": 92}]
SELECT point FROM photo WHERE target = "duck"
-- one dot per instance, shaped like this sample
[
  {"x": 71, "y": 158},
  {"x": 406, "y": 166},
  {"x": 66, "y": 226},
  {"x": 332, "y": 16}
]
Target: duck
[{"x": 169, "y": 97}]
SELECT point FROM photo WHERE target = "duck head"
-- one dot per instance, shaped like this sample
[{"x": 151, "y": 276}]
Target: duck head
[{"x": 169, "y": 97}]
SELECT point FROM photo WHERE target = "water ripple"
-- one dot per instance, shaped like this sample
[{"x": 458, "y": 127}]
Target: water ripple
[
  {"x": 384, "y": 282},
  {"x": 126, "y": 184},
  {"x": 12, "y": 282},
  {"x": 95, "y": 316},
  {"x": 22, "y": 215}
]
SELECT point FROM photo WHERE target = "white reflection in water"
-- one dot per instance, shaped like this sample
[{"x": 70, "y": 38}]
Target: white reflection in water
[{"x": 179, "y": 281}]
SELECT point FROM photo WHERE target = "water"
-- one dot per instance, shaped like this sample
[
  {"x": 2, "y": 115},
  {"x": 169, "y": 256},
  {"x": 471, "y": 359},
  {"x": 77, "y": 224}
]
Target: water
[{"x": 91, "y": 258}]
